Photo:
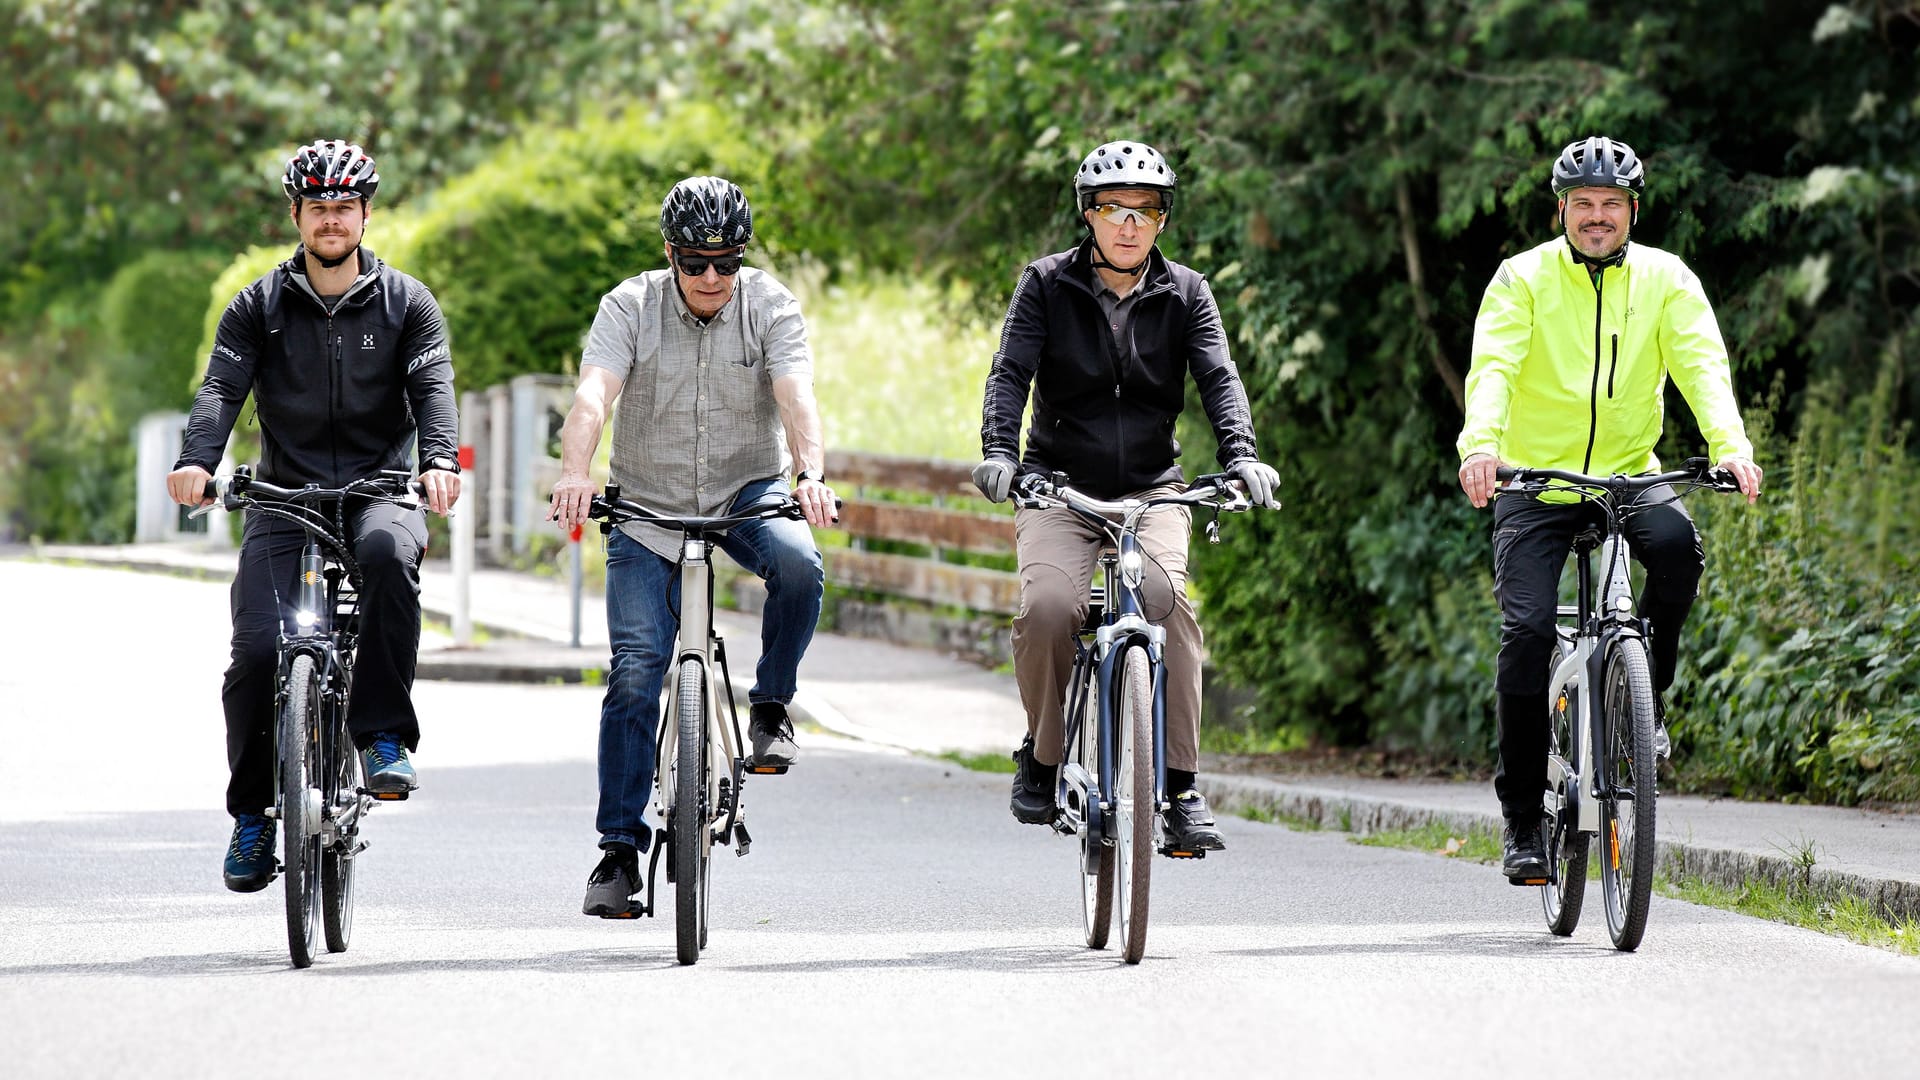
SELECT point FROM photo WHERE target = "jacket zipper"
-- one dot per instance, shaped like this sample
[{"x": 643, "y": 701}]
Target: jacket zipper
[
  {"x": 1593, "y": 392},
  {"x": 333, "y": 398},
  {"x": 1613, "y": 365}
]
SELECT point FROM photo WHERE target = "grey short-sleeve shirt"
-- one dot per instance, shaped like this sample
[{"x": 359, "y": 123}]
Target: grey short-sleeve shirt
[{"x": 696, "y": 419}]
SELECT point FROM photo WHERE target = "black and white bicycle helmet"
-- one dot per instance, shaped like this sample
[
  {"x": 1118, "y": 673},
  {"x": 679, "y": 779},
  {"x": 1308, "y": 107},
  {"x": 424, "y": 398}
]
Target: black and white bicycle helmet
[
  {"x": 706, "y": 212},
  {"x": 1122, "y": 164},
  {"x": 330, "y": 170},
  {"x": 1598, "y": 161}
]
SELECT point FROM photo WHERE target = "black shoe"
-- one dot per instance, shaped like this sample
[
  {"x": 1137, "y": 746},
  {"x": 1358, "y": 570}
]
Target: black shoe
[
  {"x": 250, "y": 865},
  {"x": 611, "y": 886},
  {"x": 771, "y": 731},
  {"x": 389, "y": 771},
  {"x": 1033, "y": 785},
  {"x": 1189, "y": 823},
  {"x": 1523, "y": 856}
]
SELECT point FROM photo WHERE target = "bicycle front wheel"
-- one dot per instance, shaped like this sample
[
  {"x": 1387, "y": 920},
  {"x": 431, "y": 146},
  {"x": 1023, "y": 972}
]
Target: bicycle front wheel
[
  {"x": 1133, "y": 800},
  {"x": 1627, "y": 814},
  {"x": 342, "y": 793},
  {"x": 300, "y": 768},
  {"x": 689, "y": 826},
  {"x": 1096, "y": 848}
]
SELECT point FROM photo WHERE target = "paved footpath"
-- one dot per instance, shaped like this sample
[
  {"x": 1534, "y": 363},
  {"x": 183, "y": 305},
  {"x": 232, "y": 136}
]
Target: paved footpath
[{"x": 922, "y": 701}]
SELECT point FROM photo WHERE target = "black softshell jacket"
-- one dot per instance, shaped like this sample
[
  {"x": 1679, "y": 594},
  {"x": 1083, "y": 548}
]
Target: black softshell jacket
[
  {"x": 1104, "y": 422},
  {"x": 340, "y": 397}
]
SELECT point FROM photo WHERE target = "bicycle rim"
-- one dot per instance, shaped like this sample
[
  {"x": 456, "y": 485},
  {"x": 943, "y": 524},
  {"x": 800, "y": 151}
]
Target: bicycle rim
[
  {"x": 1134, "y": 824},
  {"x": 336, "y": 865},
  {"x": 1096, "y": 857},
  {"x": 1562, "y": 898},
  {"x": 688, "y": 815},
  {"x": 1627, "y": 854},
  {"x": 299, "y": 765}
]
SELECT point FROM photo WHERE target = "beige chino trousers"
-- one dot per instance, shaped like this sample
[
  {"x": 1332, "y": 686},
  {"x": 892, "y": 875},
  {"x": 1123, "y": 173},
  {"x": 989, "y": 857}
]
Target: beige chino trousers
[{"x": 1058, "y": 550}]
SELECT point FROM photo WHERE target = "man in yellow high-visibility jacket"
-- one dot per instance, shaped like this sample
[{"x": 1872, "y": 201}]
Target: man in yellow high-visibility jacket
[{"x": 1572, "y": 349}]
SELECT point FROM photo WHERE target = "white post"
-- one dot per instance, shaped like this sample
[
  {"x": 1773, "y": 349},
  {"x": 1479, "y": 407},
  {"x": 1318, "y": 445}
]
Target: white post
[{"x": 462, "y": 524}]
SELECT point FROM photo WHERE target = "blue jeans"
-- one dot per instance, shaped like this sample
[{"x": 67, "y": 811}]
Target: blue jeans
[{"x": 643, "y": 595}]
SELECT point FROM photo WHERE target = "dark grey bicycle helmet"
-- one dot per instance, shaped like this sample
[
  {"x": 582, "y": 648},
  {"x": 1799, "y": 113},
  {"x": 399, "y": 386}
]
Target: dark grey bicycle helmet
[
  {"x": 1597, "y": 161},
  {"x": 706, "y": 212},
  {"x": 1123, "y": 164},
  {"x": 329, "y": 170}
]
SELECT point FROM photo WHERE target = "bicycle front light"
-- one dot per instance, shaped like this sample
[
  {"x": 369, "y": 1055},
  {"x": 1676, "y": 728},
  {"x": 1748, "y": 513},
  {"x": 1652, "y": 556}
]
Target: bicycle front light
[
  {"x": 1132, "y": 569},
  {"x": 305, "y": 619}
]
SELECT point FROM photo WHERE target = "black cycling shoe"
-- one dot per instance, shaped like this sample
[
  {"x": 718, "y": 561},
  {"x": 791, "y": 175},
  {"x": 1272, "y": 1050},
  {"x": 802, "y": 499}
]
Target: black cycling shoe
[
  {"x": 1523, "y": 856},
  {"x": 1033, "y": 785},
  {"x": 611, "y": 886},
  {"x": 771, "y": 731},
  {"x": 250, "y": 865},
  {"x": 1189, "y": 825}
]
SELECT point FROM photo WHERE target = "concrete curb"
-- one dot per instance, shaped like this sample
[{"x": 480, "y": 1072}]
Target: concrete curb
[{"x": 1342, "y": 812}]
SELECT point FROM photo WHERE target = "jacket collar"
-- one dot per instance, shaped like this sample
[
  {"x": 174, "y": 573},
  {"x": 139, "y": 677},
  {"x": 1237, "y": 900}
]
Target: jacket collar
[
  {"x": 1079, "y": 270},
  {"x": 296, "y": 270}
]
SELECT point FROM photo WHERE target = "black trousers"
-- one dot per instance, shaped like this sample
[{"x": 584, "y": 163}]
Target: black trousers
[
  {"x": 1531, "y": 541},
  {"x": 388, "y": 541}
]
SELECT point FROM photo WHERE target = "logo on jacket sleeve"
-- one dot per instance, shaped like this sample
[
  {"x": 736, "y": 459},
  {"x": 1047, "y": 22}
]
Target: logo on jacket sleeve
[{"x": 366, "y": 342}]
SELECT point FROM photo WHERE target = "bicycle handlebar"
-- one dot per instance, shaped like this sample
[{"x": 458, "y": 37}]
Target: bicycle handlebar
[
  {"x": 235, "y": 491},
  {"x": 613, "y": 510},
  {"x": 1699, "y": 470},
  {"x": 1035, "y": 490}
]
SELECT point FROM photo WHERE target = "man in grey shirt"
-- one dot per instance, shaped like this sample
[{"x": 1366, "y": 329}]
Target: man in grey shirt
[{"x": 708, "y": 360}]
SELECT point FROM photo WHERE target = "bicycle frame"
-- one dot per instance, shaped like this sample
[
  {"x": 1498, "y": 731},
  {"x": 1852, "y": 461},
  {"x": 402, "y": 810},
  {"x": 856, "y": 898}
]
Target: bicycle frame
[
  {"x": 700, "y": 641},
  {"x": 1583, "y": 651}
]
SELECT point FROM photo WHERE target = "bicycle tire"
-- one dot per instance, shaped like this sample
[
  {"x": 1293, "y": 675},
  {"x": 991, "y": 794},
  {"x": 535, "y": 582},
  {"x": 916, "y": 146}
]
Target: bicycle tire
[
  {"x": 300, "y": 839},
  {"x": 1133, "y": 819},
  {"x": 1627, "y": 854},
  {"x": 1096, "y": 854},
  {"x": 1562, "y": 899},
  {"x": 342, "y": 791},
  {"x": 689, "y": 818}
]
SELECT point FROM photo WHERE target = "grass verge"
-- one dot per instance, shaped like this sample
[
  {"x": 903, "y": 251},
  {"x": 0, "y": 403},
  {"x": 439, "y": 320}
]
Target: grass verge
[
  {"x": 1266, "y": 815},
  {"x": 1439, "y": 838},
  {"x": 991, "y": 762},
  {"x": 1846, "y": 917}
]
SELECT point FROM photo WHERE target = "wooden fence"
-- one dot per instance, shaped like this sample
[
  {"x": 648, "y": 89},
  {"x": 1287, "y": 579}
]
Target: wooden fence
[{"x": 870, "y": 485}]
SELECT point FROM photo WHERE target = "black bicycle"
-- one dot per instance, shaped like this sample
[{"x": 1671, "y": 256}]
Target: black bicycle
[
  {"x": 1116, "y": 710},
  {"x": 1602, "y": 751},
  {"x": 320, "y": 794},
  {"x": 700, "y": 764}
]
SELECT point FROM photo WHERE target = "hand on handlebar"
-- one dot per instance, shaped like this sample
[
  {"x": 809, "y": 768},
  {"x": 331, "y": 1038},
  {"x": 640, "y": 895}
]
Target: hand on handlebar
[
  {"x": 1260, "y": 480},
  {"x": 994, "y": 478},
  {"x": 1747, "y": 475},
  {"x": 442, "y": 489},
  {"x": 817, "y": 502},
  {"x": 188, "y": 486},
  {"x": 1479, "y": 476},
  {"x": 572, "y": 498}
]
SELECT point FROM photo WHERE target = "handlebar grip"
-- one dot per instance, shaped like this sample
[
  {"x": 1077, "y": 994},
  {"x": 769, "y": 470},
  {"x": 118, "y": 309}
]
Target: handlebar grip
[{"x": 1505, "y": 472}]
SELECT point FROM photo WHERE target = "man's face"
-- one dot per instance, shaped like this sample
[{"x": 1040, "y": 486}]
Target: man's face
[
  {"x": 330, "y": 229},
  {"x": 708, "y": 291},
  {"x": 1125, "y": 244},
  {"x": 1597, "y": 219}
]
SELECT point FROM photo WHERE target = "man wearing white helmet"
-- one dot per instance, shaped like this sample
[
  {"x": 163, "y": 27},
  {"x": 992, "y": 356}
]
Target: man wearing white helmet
[
  {"x": 708, "y": 360},
  {"x": 1104, "y": 336}
]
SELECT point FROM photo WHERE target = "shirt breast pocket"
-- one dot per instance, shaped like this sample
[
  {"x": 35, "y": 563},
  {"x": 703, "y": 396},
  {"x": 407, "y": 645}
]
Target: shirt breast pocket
[{"x": 743, "y": 389}]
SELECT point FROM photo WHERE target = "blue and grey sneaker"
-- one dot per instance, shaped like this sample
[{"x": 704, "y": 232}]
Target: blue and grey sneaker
[
  {"x": 388, "y": 770},
  {"x": 250, "y": 864}
]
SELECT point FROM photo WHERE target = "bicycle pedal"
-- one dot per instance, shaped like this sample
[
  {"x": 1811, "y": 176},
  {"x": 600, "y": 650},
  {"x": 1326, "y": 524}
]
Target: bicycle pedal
[
  {"x": 767, "y": 770},
  {"x": 635, "y": 912},
  {"x": 1528, "y": 881},
  {"x": 390, "y": 796},
  {"x": 1177, "y": 853},
  {"x": 743, "y": 840}
]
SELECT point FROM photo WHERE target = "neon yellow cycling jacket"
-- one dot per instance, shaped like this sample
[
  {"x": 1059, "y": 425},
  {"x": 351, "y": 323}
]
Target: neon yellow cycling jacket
[{"x": 1569, "y": 372}]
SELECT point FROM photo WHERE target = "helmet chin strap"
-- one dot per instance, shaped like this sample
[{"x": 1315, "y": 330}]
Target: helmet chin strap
[{"x": 1100, "y": 262}]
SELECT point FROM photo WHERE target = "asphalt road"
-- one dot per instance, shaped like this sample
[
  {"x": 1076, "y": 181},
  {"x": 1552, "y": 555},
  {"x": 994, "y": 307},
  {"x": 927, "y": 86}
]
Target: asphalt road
[{"x": 891, "y": 919}]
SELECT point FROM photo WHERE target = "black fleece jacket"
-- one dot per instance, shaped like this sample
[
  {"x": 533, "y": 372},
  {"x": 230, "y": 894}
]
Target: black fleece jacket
[
  {"x": 1104, "y": 422},
  {"x": 340, "y": 397}
]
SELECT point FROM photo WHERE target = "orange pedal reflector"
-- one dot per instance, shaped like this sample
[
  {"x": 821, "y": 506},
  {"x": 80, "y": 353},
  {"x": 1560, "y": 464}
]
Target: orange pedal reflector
[
  {"x": 389, "y": 796},
  {"x": 1533, "y": 881}
]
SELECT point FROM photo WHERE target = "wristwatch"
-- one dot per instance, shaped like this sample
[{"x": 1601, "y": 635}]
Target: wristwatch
[
  {"x": 444, "y": 464},
  {"x": 814, "y": 475}
]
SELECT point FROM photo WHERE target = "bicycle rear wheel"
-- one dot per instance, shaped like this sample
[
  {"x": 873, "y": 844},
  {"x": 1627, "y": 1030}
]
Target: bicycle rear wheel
[
  {"x": 300, "y": 769},
  {"x": 1133, "y": 800},
  {"x": 1628, "y": 767},
  {"x": 342, "y": 793},
  {"x": 689, "y": 827},
  {"x": 1096, "y": 854},
  {"x": 1562, "y": 898}
]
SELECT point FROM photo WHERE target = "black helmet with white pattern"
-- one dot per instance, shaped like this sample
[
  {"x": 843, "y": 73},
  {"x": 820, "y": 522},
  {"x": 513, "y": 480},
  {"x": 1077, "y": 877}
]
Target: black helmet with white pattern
[
  {"x": 706, "y": 212},
  {"x": 1597, "y": 161},
  {"x": 1123, "y": 164},
  {"x": 329, "y": 170}
]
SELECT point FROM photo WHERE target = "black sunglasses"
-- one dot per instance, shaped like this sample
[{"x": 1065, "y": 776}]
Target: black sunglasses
[{"x": 696, "y": 265}]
